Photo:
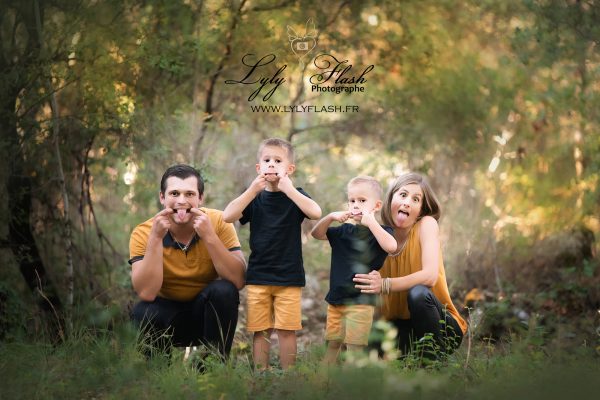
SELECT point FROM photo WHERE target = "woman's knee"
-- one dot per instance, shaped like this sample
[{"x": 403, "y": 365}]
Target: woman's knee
[{"x": 418, "y": 296}]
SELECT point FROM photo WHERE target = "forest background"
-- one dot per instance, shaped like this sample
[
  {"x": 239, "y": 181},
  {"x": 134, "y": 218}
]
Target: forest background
[{"x": 497, "y": 102}]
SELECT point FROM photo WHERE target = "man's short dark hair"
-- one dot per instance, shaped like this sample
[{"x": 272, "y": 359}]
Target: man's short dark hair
[{"x": 181, "y": 171}]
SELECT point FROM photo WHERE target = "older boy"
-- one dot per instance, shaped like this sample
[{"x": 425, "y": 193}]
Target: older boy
[
  {"x": 356, "y": 248},
  {"x": 275, "y": 276}
]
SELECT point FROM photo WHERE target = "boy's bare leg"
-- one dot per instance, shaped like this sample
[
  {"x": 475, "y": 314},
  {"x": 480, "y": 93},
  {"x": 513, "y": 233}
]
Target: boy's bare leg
[
  {"x": 287, "y": 348},
  {"x": 355, "y": 348},
  {"x": 261, "y": 348},
  {"x": 332, "y": 354}
]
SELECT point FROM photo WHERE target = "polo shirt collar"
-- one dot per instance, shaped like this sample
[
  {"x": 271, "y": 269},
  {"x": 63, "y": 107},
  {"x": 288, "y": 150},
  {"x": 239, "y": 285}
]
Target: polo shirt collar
[{"x": 169, "y": 241}]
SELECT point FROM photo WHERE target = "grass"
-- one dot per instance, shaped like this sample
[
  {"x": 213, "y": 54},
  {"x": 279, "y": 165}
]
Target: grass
[{"x": 107, "y": 365}]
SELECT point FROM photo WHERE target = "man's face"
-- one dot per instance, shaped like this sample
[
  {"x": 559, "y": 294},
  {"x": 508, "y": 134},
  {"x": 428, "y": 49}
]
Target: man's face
[
  {"x": 274, "y": 162},
  {"x": 181, "y": 195},
  {"x": 362, "y": 198}
]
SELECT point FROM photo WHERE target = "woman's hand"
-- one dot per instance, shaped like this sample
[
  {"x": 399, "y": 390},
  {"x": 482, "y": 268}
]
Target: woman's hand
[{"x": 368, "y": 283}]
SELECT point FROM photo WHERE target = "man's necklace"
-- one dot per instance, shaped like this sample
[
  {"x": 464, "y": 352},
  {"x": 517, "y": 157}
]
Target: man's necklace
[{"x": 187, "y": 246}]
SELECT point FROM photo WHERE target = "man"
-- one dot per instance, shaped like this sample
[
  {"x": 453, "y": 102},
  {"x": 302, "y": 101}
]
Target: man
[{"x": 187, "y": 268}]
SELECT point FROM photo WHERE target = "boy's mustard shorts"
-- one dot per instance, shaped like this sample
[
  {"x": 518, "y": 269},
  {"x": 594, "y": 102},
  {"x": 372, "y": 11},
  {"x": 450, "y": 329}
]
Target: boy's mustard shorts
[
  {"x": 276, "y": 307},
  {"x": 349, "y": 324}
]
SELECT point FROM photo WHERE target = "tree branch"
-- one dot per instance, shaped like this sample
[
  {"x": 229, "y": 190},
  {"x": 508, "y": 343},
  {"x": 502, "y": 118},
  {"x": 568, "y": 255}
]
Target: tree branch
[
  {"x": 208, "y": 108},
  {"x": 282, "y": 4}
]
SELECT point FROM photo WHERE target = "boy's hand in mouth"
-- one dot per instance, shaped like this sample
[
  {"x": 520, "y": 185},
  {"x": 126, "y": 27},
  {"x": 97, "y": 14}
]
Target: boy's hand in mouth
[{"x": 271, "y": 176}]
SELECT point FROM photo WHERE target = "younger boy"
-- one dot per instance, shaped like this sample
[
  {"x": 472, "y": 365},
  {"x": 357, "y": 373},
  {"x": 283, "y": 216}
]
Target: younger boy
[
  {"x": 275, "y": 276},
  {"x": 355, "y": 248}
]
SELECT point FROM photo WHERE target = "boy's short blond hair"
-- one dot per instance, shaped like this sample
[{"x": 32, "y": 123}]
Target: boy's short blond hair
[
  {"x": 277, "y": 142},
  {"x": 369, "y": 180}
]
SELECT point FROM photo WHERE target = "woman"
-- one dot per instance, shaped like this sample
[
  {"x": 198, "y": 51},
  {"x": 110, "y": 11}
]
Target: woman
[{"x": 413, "y": 280}]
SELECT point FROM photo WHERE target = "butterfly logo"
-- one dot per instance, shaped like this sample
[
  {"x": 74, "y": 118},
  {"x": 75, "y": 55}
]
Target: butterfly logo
[{"x": 302, "y": 45}]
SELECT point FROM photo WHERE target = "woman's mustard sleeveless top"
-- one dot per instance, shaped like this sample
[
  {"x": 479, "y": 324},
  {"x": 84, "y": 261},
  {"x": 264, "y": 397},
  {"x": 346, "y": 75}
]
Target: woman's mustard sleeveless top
[{"x": 395, "y": 305}]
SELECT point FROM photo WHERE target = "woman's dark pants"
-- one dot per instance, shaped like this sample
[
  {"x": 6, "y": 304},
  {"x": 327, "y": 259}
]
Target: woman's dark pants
[{"x": 431, "y": 329}]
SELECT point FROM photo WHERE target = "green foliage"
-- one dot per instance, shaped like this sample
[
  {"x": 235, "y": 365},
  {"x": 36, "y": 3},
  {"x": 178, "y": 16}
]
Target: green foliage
[
  {"x": 457, "y": 87},
  {"x": 106, "y": 364},
  {"x": 12, "y": 310}
]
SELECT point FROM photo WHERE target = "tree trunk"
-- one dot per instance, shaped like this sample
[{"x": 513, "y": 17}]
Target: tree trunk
[
  {"x": 20, "y": 183},
  {"x": 66, "y": 220},
  {"x": 208, "y": 107},
  {"x": 20, "y": 236}
]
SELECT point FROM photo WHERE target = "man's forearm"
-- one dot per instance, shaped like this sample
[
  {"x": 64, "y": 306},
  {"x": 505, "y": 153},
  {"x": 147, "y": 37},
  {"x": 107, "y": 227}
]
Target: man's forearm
[
  {"x": 147, "y": 274},
  {"x": 229, "y": 265}
]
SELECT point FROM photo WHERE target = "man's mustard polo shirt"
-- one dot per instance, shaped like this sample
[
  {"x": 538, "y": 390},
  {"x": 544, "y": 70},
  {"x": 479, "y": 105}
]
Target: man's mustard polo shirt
[{"x": 185, "y": 274}]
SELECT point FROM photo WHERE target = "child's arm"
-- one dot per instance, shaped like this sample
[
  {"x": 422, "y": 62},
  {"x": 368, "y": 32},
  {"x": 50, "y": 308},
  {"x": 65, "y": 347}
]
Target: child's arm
[
  {"x": 234, "y": 210},
  {"x": 427, "y": 275},
  {"x": 385, "y": 240},
  {"x": 308, "y": 206},
  {"x": 320, "y": 229}
]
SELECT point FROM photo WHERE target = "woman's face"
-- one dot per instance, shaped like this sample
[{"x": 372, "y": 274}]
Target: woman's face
[{"x": 406, "y": 205}]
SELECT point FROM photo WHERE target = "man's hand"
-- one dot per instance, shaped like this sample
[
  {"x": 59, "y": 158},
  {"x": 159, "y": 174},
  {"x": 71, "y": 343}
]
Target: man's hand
[
  {"x": 161, "y": 223},
  {"x": 230, "y": 265},
  {"x": 259, "y": 184},
  {"x": 202, "y": 224},
  {"x": 285, "y": 184}
]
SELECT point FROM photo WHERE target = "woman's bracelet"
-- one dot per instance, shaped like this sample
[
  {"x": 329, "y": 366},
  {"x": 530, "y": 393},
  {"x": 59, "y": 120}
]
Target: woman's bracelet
[{"x": 386, "y": 286}]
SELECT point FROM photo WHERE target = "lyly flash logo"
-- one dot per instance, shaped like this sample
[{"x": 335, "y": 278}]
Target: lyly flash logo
[{"x": 302, "y": 45}]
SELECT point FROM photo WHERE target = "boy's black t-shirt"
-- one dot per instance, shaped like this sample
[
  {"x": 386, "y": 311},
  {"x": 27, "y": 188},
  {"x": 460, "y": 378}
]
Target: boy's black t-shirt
[
  {"x": 354, "y": 250},
  {"x": 275, "y": 241}
]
